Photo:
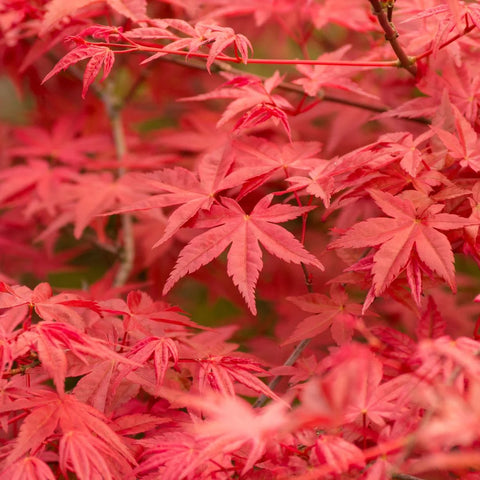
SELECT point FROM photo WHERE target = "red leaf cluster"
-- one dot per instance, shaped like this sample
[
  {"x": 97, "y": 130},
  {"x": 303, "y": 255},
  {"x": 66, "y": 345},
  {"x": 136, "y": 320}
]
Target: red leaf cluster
[{"x": 314, "y": 214}]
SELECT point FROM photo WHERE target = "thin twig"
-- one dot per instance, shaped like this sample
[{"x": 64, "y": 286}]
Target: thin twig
[
  {"x": 405, "y": 476},
  {"x": 288, "y": 363},
  {"x": 22, "y": 369}
]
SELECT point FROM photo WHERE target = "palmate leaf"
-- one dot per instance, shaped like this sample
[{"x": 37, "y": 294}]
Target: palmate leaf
[
  {"x": 231, "y": 425},
  {"x": 218, "y": 38},
  {"x": 35, "y": 429},
  {"x": 170, "y": 455},
  {"x": 334, "y": 311},
  {"x": 52, "y": 341},
  {"x": 57, "y": 9},
  {"x": 98, "y": 56},
  {"x": 338, "y": 453},
  {"x": 49, "y": 307},
  {"x": 231, "y": 225},
  {"x": 218, "y": 373},
  {"x": 84, "y": 454},
  {"x": 50, "y": 412},
  {"x": 254, "y": 98},
  {"x": 28, "y": 468},
  {"x": 414, "y": 222},
  {"x": 192, "y": 192}
]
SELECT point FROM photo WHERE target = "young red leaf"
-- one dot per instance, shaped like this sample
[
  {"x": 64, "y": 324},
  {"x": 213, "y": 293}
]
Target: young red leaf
[
  {"x": 217, "y": 38},
  {"x": 76, "y": 55},
  {"x": 104, "y": 57},
  {"x": 252, "y": 96}
]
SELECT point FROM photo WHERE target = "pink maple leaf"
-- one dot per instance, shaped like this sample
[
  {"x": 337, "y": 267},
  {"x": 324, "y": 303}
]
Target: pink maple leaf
[
  {"x": 337, "y": 453},
  {"x": 63, "y": 141},
  {"x": 414, "y": 222},
  {"x": 216, "y": 37},
  {"x": 28, "y": 468},
  {"x": 99, "y": 56},
  {"x": 193, "y": 192},
  {"x": 49, "y": 412},
  {"x": 465, "y": 145},
  {"x": 253, "y": 96},
  {"x": 334, "y": 311},
  {"x": 48, "y": 306},
  {"x": 319, "y": 76},
  {"x": 244, "y": 231},
  {"x": 58, "y": 9},
  {"x": 149, "y": 317},
  {"x": 218, "y": 373}
]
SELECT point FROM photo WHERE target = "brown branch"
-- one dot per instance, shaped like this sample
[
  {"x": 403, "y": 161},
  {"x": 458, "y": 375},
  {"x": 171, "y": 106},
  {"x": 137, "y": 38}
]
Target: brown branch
[
  {"x": 288, "y": 363},
  {"x": 113, "y": 108},
  {"x": 404, "y": 476},
  {"x": 391, "y": 35},
  {"x": 22, "y": 369}
]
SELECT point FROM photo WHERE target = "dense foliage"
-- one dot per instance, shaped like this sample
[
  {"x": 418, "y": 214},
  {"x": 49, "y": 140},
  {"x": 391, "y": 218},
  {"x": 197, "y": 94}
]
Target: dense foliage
[{"x": 240, "y": 239}]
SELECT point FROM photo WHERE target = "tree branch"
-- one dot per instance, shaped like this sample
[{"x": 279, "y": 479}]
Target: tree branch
[
  {"x": 128, "y": 254},
  {"x": 391, "y": 35},
  {"x": 219, "y": 66},
  {"x": 404, "y": 476}
]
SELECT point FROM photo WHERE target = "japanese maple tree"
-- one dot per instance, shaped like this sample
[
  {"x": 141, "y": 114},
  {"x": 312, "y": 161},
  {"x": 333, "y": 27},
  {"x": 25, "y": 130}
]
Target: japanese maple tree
[{"x": 240, "y": 239}]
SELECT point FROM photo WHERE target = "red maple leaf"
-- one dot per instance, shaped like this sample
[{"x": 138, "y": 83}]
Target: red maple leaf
[
  {"x": 149, "y": 317},
  {"x": 253, "y": 96},
  {"x": 58, "y": 9},
  {"x": 193, "y": 192},
  {"x": 216, "y": 37},
  {"x": 414, "y": 222},
  {"x": 47, "y": 306},
  {"x": 338, "y": 453},
  {"x": 465, "y": 145},
  {"x": 319, "y": 76},
  {"x": 28, "y": 468},
  {"x": 264, "y": 159},
  {"x": 63, "y": 141},
  {"x": 218, "y": 373},
  {"x": 335, "y": 311},
  {"x": 49, "y": 411},
  {"x": 53, "y": 340},
  {"x": 244, "y": 231},
  {"x": 99, "y": 56}
]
